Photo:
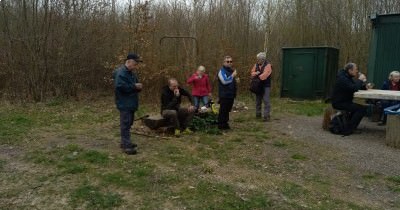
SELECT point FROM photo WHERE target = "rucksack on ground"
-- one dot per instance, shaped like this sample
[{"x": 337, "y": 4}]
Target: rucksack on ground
[{"x": 339, "y": 124}]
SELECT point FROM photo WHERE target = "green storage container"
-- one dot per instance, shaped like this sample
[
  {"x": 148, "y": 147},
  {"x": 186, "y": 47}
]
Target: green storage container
[
  {"x": 309, "y": 72},
  {"x": 384, "y": 52}
]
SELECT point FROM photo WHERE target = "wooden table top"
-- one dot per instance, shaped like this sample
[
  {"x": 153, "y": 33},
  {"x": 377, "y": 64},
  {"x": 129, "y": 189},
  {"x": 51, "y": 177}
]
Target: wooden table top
[{"x": 378, "y": 94}]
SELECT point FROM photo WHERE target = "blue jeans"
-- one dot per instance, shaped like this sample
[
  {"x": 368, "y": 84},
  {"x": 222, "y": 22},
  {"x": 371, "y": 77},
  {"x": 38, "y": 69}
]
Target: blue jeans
[
  {"x": 126, "y": 122},
  {"x": 197, "y": 99},
  {"x": 385, "y": 104}
]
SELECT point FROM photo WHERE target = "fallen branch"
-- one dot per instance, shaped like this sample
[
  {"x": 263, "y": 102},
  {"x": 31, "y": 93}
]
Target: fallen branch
[{"x": 151, "y": 136}]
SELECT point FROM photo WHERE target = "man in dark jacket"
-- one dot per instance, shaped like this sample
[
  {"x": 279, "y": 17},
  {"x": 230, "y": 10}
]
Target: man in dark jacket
[
  {"x": 349, "y": 81},
  {"x": 226, "y": 92},
  {"x": 127, "y": 87},
  {"x": 171, "y": 109}
]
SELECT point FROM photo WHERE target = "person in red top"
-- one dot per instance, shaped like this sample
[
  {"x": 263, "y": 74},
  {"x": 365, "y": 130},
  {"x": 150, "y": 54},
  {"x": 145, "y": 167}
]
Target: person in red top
[
  {"x": 201, "y": 87},
  {"x": 391, "y": 84}
]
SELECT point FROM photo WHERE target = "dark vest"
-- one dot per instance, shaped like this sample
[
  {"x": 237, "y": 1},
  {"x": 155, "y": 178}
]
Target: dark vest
[
  {"x": 267, "y": 82},
  {"x": 229, "y": 90}
]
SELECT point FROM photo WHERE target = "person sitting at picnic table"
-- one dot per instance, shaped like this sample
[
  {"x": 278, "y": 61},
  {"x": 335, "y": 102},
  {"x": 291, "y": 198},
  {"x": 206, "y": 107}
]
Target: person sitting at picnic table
[
  {"x": 349, "y": 81},
  {"x": 392, "y": 83},
  {"x": 201, "y": 87},
  {"x": 171, "y": 109}
]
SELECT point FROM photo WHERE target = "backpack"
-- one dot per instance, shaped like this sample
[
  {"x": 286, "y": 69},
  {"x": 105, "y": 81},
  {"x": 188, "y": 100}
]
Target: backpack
[
  {"x": 256, "y": 84},
  {"x": 339, "y": 124}
]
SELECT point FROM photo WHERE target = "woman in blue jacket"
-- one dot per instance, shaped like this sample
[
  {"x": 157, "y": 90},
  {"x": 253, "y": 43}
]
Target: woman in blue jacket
[{"x": 392, "y": 83}]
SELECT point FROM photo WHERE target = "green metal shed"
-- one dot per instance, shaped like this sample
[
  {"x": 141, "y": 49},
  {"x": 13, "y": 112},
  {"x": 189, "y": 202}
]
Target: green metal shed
[
  {"x": 308, "y": 72},
  {"x": 384, "y": 52}
]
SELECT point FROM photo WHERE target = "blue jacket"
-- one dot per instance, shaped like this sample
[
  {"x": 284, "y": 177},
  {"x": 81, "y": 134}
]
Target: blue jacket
[
  {"x": 226, "y": 83},
  {"x": 126, "y": 95},
  {"x": 387, "y": 85}
]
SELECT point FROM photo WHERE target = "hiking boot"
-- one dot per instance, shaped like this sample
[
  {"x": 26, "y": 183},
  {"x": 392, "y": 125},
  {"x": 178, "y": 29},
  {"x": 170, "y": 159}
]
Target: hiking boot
[
  {"x": 129, "y": 151},
  {"x": 177, "y": 133},
  {"x": 224, "y": 127},
  {"x": 187, "y": 131},
  {"x": 381, "y": 123},
  {"x": 133, "y": 145},
  {"x": 267, "y": 119},
  {"x": 258, "y": 116}
]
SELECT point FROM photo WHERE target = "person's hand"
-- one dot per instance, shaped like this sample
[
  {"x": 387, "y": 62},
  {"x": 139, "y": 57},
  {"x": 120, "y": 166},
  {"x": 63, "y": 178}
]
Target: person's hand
[
  {"x": 253, "y": 74},
  {"x": 210, "y": 95},
  {"x": 237, "y": 79},
  {"x": 369, "y": 86},
  {"x": 176, "y": 92},
  {"x": 362, "y": 77},
  {"x": 138, "y": 86},
  {"x": 191, "y": 108},
  {"x": 234, "y": 73}
]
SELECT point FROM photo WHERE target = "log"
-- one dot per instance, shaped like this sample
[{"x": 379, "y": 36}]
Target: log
[
  {"x": 328, "y": 112},
  {"x": 155, "y": 122},
  {"x": 393, "y": 131}
]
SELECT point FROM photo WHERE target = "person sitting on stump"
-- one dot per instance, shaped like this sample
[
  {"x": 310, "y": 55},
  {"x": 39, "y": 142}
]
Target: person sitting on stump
[
  {"x": 349, "y": 81},
  {"x": 171, "y": 109}
]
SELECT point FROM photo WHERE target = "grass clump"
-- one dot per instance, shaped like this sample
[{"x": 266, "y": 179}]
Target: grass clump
[{"x": 93, "y": 198}]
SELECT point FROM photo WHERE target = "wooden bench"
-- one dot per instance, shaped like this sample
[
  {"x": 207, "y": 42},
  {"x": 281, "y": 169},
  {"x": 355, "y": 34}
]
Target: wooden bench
[{"x": 393, "y": 131}]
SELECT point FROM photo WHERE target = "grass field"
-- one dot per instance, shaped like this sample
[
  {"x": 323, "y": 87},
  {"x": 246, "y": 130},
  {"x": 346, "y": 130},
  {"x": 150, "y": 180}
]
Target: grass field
[{"x": 65, "y": 155}]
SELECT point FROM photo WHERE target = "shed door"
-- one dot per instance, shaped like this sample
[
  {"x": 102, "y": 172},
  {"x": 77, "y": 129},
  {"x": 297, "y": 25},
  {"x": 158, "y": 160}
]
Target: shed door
[{"x": 301, "y": 78}]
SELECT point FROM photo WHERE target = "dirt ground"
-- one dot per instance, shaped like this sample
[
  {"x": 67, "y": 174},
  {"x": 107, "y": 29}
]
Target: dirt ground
[{"x": 366, "y": 151}]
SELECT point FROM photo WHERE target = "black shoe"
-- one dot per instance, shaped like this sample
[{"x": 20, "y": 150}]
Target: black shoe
[
  {"x": 381, "y": 123},
  {"x": 133, "y": 145},
  {"x": 224, "y": 127},
  {"x": 130, "y": 151},
  {"x": 258, "y": 116}
]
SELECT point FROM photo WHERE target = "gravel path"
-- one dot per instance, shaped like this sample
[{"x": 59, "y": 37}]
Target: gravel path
[{"x": 366, "y": 151}]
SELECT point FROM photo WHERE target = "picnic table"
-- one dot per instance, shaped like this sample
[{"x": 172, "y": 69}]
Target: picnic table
[{"x": 393, "y": 121}]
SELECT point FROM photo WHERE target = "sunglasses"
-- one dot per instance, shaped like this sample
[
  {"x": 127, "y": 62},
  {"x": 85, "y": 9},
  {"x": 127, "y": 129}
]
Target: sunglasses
[{"x": 229, "y": 61}]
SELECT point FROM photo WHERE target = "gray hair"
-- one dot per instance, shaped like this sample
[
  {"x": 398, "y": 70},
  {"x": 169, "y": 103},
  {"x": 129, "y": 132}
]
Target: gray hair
[
  {"x": 201, "y": 68},
  {"x": 393, "y": 74},
  {"x": 261, "y": 56},
  {"x": 349, "y": 66},
  {"x": 171, "y": 80}
]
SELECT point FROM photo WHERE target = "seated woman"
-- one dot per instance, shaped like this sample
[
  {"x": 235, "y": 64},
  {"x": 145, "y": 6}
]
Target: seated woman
[{"x": 391, "y": 84}]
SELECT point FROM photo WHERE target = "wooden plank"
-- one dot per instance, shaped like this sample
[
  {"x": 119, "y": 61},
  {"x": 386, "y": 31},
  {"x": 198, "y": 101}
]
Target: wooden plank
[
  {"x": 393, "y": 131},
  {"x": 378, "y": 94}
]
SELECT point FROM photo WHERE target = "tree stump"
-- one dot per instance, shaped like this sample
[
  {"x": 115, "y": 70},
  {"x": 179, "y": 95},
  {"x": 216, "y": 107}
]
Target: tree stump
[
  {"x": 393, "y": 131},
  {"x": 328, "y": 112},
  {"x": 155, "y": 122}
]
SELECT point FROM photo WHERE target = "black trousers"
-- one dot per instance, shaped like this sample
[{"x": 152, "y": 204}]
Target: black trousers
[
  {"x": 126, "y": 122},
  {"x": 357, "y": 112},
  {"x": 224, "y": 109}
]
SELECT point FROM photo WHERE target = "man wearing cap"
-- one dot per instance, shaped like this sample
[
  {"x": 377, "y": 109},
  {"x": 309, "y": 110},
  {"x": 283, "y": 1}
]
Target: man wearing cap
[
  {"x": 127, "y": 87},
  {"x": 262, "y": 69}
]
